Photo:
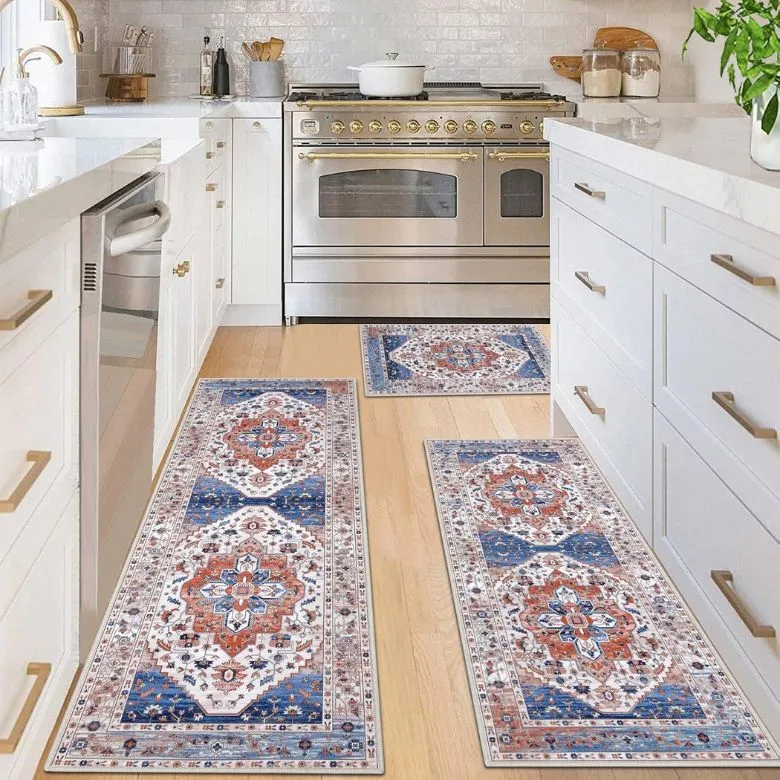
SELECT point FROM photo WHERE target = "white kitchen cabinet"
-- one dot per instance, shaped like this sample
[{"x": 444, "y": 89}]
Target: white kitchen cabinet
[{"x": 257, "y": 222}]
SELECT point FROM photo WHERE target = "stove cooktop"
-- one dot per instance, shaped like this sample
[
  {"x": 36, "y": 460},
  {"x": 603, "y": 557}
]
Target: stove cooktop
[{"x": 433, "y": 92}]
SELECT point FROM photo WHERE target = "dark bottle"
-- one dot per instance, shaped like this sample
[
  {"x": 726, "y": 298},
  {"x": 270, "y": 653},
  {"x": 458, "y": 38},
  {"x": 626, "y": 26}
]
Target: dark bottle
[{"x": 221, "y": 71}]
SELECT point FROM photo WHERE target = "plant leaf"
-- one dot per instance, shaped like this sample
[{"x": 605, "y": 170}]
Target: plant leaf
[
  {"x": 700, "y": 24},
  {"x": 758, "y": 87},
  {"x": 728, "y": 50},
  {"x": 769, "y": 118}
]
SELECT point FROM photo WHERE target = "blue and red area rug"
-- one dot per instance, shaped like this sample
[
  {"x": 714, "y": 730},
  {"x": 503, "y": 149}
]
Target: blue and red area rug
[
  {"x": 470, "y": 359},
  {"x": 579, "y": 650},
  {"x": 240, "y": 637}
]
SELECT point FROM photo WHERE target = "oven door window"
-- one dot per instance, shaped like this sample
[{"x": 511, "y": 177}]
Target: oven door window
[
  {"x": 522, "y": 194},
  {"x": 388, "y": 193}
]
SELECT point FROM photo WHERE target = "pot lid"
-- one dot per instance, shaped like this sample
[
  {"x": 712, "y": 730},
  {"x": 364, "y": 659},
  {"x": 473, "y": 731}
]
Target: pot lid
[{"x": 391, "y": 62}]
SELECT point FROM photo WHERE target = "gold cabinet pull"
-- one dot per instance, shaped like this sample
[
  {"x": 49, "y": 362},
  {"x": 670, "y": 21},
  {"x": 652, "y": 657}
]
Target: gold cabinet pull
[
  {"x": 211, "y": 187},
  {"x": 220, "y": 204},
  {"x": 726, "y": 402},
  {"x": 723, "y": 580},
  {"x": 36, "y": 299},
  {"x": 583, "y": 187},
  {"x": 40, "y": 459},
  {"x": 584, "y": 277},
  {"x": 41, "y": 672},
  {"x": 220, "y": 283},
  {"x": 460, "y": 156},
  {"x": 182, "y": 269},
  {"x": 220, "y": 144},
  {"x": 581, "y": 391},
  {"x": 727, "y": 262},
  {"x": 209, "y": 155},
  {"x": 256, "y": 125},
  {"x": 502, "y": 156}
]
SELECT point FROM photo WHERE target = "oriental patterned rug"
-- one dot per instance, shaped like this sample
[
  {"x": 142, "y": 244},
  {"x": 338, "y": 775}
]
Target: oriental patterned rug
[
  {"x": 578, "y": 648},
  {"x": 240, "y": 636},
  {"x": 462, "y": 359}
]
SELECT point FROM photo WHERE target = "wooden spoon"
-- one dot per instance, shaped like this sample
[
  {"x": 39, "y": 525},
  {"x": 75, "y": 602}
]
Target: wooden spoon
[
  {"x": 248, "y": 50},
  {"x": 258, "y": 49},
  {"x": 266, "y": 52},
  {"x": 276, "y": 45}
]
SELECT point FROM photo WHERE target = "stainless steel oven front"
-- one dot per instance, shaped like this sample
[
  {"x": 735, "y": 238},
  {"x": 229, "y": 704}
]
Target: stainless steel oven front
[{"x": 387, "y": 196}]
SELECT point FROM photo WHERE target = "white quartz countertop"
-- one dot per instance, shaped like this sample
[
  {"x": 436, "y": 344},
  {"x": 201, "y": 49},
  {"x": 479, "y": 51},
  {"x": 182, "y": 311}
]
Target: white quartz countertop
[
  {"x": 188, "y": 108},
  {"x": 703, "y": 158},
  {"x": 48, "y": 182}
]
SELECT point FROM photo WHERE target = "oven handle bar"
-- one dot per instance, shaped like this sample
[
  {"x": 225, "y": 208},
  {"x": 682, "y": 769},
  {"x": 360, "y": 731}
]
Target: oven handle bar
[
  {"x": 460, "y": 156},
  {"x": 503, "y": 156}
]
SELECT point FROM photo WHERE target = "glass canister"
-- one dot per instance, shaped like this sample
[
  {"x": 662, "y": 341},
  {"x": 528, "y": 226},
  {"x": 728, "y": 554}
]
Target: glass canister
[
  {"x": 641, "y": 72},
  {"x": 601, "y": 75}
]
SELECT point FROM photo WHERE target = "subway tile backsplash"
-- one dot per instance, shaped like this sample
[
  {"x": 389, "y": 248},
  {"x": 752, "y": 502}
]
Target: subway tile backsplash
[{"x": 481, "y": 40}]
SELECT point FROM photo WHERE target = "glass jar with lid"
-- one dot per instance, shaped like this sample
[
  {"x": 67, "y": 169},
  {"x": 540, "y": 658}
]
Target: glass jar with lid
[
  {"x": 641, "y": 72},
  {"x": 601, "y": 74}
]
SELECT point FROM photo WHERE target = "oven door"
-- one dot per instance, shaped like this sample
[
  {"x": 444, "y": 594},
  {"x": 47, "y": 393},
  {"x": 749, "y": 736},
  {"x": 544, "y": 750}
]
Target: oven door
[
  {"x": 517, "y": 196},
  {"x": 387, "y": 196}
]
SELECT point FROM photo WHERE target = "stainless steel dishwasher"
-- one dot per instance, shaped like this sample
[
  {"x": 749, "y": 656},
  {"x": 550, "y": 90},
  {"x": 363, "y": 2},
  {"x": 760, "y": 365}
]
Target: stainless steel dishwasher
[{"x": 121, "y": 256}]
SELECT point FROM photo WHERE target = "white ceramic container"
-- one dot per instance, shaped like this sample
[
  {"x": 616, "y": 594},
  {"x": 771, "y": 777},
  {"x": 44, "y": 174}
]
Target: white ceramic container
[
  {"x": 764, "y": 148},
  {"x": 390, "y": 77}
]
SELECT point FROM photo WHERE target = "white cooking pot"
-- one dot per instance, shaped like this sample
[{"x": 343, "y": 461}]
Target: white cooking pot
[{"x": 390, "y": 77}]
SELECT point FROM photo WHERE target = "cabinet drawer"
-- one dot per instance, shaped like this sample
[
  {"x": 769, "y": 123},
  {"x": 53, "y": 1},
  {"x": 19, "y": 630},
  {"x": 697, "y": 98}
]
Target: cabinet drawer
[
  {"x": 706, "y": 349},
  {"x": 39, "y": 410},
  {"x": 217, "y": 198},
  {"x": 619, "y": 203},
  {"x": 701, "y": 527},
  {"x": 737, "y": 264},
  {"x": 39, "y": 287},
  {"x": 216, "y": 133},
  {"x": 607, "y": 286},
  {"x": 38, "y": 638},
  {"x": 609, "y": 414}
]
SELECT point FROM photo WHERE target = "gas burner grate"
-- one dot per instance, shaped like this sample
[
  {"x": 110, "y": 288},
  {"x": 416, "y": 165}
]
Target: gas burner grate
[
  {"x": 531, "y": 96},
  {"x": 453, "y": 85},
  {"x": 349, "y": 96}
]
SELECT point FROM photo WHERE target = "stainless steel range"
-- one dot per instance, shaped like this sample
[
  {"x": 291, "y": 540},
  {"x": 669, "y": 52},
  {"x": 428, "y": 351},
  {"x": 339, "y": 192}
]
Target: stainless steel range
[{"x": 434, "y": 206}]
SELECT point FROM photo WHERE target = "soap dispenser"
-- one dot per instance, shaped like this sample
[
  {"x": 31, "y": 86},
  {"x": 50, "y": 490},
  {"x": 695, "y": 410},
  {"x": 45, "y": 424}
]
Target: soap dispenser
[{"x": 20, "y": 98}]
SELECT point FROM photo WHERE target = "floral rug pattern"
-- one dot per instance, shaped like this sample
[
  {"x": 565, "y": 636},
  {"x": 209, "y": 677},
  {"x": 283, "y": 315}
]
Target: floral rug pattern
[
  {"x": 458, "y": 359},
  {"x": 577, "y": 646},
  {"x": 240, "y": 638}
]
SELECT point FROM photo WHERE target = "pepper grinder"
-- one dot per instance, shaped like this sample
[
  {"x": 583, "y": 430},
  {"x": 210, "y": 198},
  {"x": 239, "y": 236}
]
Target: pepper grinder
[{"x": 221, "y": 71}]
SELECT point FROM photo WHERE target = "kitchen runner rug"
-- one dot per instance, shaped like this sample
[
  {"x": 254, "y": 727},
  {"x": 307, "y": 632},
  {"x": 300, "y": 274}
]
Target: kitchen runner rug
[
  {"x": 471, "y": 359},
  {"x": 578, "y": 648},
  {"x": 240, "y": 637}
]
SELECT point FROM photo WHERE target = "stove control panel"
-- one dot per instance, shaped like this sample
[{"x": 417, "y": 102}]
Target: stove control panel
[{"x": 474, "y": 126}]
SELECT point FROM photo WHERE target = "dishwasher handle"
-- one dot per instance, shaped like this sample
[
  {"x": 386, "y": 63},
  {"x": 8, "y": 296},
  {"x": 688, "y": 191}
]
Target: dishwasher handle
[{"x": 129, "y": 242}]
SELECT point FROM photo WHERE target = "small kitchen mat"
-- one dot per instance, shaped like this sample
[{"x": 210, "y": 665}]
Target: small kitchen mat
[
  {"x": 579, "y": 650},
  {"x": 454, "y": 359},
  {"x": 240, "y": 636}
]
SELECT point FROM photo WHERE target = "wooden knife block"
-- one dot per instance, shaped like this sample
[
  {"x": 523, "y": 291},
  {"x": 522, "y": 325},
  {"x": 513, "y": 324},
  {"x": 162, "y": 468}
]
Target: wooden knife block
[{"x": 127, "y": 88}]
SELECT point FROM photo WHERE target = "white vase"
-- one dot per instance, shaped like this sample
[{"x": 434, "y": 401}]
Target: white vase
[{"x": 765, "y": 148}]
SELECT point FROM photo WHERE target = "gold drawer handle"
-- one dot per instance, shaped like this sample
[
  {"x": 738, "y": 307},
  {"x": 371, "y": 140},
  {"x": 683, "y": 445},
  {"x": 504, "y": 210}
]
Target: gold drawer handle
[
  {"x": 182, "y": 269},
  {"x": 584, "y": 277},
  {"x": 41, "y": 672},
  {"x": 220, "y": 204},
  {"x": 36, "y": 299},
  {"x": 40, "y": 459},
  {"x": 723, "y": 579},
  {"x": 503, "y": 156},
  {"x": 209, "y": 155},
  {"x": 727, "y": 262},
  {"x": 581, "y": 391},
  {"x": 220, "y": 144},
  {"x": 211, "y": 187},
  {"x": 725, "y": 401},
  {"x": 583, "y": 187},
  {"x": 220, "y": 283}
]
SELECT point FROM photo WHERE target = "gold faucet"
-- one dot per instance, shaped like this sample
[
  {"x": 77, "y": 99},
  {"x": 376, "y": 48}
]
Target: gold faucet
[
  {"x": 75, "y": 36},
  {"x": 23, "y": 57}
]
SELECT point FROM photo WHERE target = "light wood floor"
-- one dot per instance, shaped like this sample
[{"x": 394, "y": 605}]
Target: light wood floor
[{"x": 427, "y": 717}]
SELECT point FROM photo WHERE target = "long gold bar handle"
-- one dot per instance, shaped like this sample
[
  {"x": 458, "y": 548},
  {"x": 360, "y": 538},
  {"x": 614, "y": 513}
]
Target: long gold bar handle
[
  {"x": 40, "y": 459},
  {"x": 725, "y": 401},
  {"x": 542, "y": 104},
  {"x": 503, "y": 156},
  {"x": 461, "y": 156},
  {"x": 41, "y": 672},
  {"x": 723, "y": 580},
  {"x": 36, "y": 298},
  {"x": 584, "y": 277},
  {"x": 727, "y": 262},
  {"x": 583, "y": 187},
  {"x": 581, "y": 391}
]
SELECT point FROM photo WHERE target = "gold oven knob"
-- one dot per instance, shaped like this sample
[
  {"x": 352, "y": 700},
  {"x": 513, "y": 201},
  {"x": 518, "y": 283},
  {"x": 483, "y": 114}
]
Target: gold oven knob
[
  {"x": 374, "y": 126},
  {"x": 413, "y": 126},
  {"x": 337, "y": 127},
  {"x": 451, "y": 126},
  {"x": 431, "y": 125},
  {"x": 541, "y": 125},
  {"x": 470, "y": 126},
  {"x": 489, "y": 127},
  {"x": 355, "y": 126},
  {"x": 526, "y": 127},
  {"x": 394, "y": 126}
]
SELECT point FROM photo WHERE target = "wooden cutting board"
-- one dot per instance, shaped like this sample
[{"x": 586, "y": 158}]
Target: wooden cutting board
[{"x": 621, "y": 38}]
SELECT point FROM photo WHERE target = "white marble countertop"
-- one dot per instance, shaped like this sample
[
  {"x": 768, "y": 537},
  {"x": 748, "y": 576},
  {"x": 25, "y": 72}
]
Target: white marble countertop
[
  {"x": 703, "y": 158},
  {"x": 188, "y": 108},
  {"x": 48, "y": 182}
]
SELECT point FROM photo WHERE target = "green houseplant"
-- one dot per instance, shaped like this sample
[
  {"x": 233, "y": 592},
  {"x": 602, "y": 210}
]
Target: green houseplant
[{"x": 750, "y": 31}]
